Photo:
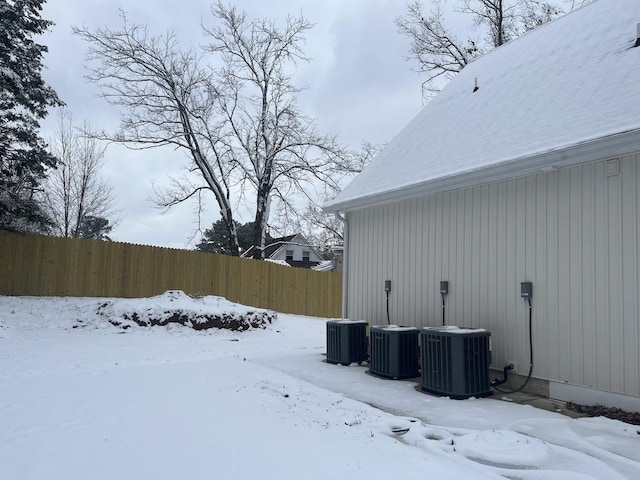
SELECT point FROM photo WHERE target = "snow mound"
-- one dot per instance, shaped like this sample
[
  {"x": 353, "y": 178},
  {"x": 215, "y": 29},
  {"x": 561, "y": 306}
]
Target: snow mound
[
  {"x": 175, "y": 307},
  {"x": 503, "y": 448}
]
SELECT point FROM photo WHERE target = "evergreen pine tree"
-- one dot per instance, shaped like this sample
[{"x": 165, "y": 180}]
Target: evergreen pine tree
[
  {"x": 24, "y": 99},
  {"x": 216, "y": 238}
]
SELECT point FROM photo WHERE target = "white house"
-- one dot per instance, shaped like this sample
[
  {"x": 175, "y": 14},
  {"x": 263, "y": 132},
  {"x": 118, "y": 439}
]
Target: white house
[
  {"x": 294, "y": 250},
  {"x": 525, "y": 168}
]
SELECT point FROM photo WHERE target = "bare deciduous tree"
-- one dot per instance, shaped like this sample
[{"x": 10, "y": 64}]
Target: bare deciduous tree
[
  {"x": 75, "y": 194},
  {"x": 498, "y": 16},
  {"x": 439, "y": 54},
  {"x": 277, "y": 148},
  {"x": 538, "y": 12},
  {"x": 322, "y": 229},
  {"x": 436, "y": 50},
  {"x": 240, "y": 124},
  {"x": 168, "y": 99}
]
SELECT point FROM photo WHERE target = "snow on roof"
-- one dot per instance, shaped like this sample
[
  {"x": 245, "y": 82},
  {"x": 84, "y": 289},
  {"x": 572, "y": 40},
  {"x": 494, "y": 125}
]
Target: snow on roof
[
  {"x": 324, "y": 266},
  {"x": 277, "y": 262},
  {"x": 569, "y": 84}
]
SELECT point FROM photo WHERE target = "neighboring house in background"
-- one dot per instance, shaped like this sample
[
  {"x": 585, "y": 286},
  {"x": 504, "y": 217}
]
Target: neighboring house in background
[
  {"x": 293, "y": 249},
  {"x": 335, "y": 263},
  {"x": 526, "y": 167}
]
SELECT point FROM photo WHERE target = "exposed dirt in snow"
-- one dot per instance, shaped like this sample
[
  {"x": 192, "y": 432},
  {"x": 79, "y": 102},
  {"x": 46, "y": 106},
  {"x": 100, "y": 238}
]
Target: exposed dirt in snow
[
  {"x": 175, "y": 307},
  {"x": 195, "y": 321},
  {"x": 609, "y": 412}
]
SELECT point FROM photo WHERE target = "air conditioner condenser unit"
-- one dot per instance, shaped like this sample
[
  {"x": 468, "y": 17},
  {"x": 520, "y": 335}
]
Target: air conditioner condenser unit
[
  {"x": 394, "y": 351},
  {"x": 347, "y": 341},
  {"x": 455, "y": 361}
]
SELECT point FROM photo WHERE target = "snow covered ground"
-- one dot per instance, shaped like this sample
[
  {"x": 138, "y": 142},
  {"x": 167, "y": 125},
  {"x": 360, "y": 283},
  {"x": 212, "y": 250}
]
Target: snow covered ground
[{"x": 81, "y": 398}]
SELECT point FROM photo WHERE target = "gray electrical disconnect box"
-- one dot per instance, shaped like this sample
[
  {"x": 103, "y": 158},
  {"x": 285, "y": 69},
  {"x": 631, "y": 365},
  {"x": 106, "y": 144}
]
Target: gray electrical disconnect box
[
  {"x": 526, "y": 290},
  {"x": 387, "y": 285},
  {"x": 444, "y": 287}
]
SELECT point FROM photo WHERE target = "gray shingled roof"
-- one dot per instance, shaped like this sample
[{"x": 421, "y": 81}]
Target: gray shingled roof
[{"x": 565, "y": 93}]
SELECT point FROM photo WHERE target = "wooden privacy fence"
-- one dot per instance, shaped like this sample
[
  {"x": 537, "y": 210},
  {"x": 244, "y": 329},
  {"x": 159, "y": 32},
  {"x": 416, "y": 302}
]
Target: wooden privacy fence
[{"x": 52, "y": 266}]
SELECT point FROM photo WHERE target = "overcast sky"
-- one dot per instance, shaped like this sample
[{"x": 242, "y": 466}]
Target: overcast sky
[{"x": 360, "y": 88}]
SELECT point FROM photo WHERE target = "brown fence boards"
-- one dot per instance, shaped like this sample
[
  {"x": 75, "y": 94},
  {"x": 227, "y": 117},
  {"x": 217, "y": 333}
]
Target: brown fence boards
[{"x": 51, "y": 266}]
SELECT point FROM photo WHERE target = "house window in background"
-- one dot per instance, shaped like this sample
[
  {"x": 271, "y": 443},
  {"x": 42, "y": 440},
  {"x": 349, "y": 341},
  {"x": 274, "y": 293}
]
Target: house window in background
[
  {"x": 305, "y": 256},
  {"x": 289, "y": 256}
]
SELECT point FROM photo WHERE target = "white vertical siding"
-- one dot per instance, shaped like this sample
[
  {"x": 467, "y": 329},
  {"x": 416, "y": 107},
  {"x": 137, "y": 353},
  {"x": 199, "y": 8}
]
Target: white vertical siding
[{"x": 573, "y": 232}]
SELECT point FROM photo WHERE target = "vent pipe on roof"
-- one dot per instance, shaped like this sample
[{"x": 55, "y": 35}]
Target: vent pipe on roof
[
  {"x": 475, "y": 88},
  {"x": 637, "y": 44}
]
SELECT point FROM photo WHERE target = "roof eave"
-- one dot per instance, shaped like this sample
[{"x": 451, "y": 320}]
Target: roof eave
[{"x": 598, "y": 149}]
